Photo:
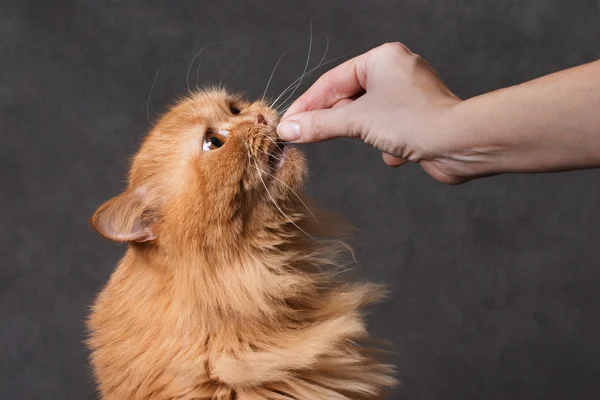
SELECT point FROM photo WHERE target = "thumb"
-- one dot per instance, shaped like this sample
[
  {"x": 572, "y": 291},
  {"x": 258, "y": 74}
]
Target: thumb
[{"x": 317, "y": 126}]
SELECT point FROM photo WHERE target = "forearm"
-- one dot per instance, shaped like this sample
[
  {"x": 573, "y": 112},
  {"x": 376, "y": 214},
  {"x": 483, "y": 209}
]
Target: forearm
[{"x": 548, "y": 124}]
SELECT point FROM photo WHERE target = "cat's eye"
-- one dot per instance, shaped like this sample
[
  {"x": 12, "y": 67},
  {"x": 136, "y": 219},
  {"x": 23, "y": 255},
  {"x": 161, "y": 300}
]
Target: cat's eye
[
  {"x": 213, "y": 141},
  {"x": 234, "y": 110}
]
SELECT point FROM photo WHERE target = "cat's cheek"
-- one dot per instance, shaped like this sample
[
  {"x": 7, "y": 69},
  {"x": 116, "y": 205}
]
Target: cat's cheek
[
  {"x": 220, "y": 173},
  {"x": 190, "y": 144}
]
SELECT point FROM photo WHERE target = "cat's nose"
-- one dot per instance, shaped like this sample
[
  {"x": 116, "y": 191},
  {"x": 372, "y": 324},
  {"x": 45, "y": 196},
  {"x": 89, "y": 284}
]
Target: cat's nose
[{"x": 260, "y": 119}]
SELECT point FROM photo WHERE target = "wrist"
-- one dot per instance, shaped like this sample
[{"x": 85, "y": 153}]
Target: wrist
[
  {"x": 460, "y": 147},
  {"x": 546, "y": 125}
]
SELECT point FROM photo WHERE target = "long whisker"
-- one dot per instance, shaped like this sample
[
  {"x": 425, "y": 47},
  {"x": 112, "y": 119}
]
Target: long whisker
[
  {"x": 259, "y": 171},
  {"x": 227, "y": 70},
  {"x": 150, "y": 96},
  {"x": 307, "y": 58},
  {"x": 291, "y": 190},
  {"x": 309, "y": 50},
  {"x": 300, "y": 81},
  {"x": 257, "y": 148},
  {"x": 320, "y": 63},
  {"x": 187, "y": 75},
  {"x": 272, "y": 141},
  {"x": 287, "y": 89},
  {"x": 278, "y": 159},
  {"x": 272, "y": 73}
]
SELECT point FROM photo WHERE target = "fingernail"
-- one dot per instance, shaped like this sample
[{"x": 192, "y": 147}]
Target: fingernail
[{"x": 289, "y": 131}]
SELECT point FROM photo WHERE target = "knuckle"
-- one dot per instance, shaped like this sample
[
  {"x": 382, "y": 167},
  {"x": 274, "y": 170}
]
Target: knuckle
[
  {"x": 316, "y": 127},
  {"x": 328, "y": 85},
  {"x": 395, "y": 48},
  {"x": 326, "y": 81},
  {"x": 415, "y": 61},
  {"x": 354, "y": 127}
]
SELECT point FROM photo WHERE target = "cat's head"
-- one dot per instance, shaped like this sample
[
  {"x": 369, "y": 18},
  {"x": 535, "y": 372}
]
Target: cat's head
[{"x": 211, "y": 172}]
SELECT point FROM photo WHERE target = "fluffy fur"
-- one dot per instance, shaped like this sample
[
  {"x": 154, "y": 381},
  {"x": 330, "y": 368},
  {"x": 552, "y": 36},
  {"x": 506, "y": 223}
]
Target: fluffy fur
[{"x": 227, "y": 289}]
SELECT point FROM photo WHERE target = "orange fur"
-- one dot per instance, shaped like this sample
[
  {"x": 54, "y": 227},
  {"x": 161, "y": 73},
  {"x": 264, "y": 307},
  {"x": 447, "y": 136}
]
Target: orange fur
[{"x": 222, "y": 294}]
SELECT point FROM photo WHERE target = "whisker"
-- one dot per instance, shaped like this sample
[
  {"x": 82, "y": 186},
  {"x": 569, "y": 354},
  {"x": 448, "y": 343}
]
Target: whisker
[
  {"x": 280, "y": 158},
  {"x": 272, "y": 141},
  {"x": 259, "y": 171},
  {"x": 227, "y": 70},
  {"x": 304, "y": 74},
  {"x": 309, "y": 50},
  {"x": 285, "y": 184},
  {"x": 187, "y": 75},
  {"x": 291, "y": 190},
  {"x": 283, "y": 103},
  {"x": 287, "y": 89},
  {"x": 271, "y": 77},
  {"x": 277, "y": 158},
  {"x": 150, "y": 96}
]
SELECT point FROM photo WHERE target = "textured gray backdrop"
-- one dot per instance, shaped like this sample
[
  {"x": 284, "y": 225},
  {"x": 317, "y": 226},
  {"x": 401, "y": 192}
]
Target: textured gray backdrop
[{"x": 496, "y": 283}]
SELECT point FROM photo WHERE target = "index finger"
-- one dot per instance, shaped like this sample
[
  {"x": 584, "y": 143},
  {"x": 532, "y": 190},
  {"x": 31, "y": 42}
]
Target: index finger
[{"x": 344, "y": 81}]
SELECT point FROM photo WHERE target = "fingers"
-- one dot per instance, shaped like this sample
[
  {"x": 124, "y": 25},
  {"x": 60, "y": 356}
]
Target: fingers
[
  {"x": 344, "y": 81},
  {"x": 393, "y": 161},
  {"x": 317, "y": 126},
  {"x": 347, "y": 80},
  {"x": 342, "y": 103}
]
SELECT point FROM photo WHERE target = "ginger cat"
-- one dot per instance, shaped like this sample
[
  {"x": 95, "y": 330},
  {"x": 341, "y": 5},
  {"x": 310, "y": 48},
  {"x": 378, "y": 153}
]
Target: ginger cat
[{"x": 224, "y": 291}]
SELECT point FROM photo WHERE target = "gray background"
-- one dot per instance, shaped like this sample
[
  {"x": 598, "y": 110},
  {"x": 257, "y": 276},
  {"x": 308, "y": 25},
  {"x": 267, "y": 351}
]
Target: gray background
[{"x": 496, "y": 282}]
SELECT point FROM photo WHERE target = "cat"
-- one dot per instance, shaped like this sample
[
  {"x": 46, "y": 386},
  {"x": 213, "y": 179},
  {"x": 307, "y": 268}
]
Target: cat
[{"x": 228, "y": 288}]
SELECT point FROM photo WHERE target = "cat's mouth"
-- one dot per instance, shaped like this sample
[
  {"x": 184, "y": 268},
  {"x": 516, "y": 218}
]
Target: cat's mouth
[{"x": 277, "y": 155}]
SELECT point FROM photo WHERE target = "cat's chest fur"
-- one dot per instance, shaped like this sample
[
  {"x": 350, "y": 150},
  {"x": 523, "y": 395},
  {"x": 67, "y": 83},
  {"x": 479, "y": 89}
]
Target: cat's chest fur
[
  {"x": 156, "y": 336},
  {"x": 143, "y": 340}
]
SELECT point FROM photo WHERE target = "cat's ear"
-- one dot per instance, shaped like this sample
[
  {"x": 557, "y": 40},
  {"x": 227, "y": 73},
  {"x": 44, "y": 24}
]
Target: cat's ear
[{"x": 125, "y": 218}]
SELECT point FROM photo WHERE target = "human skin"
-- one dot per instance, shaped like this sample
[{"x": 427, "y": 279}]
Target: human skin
[{"x": 393, "y": 100}]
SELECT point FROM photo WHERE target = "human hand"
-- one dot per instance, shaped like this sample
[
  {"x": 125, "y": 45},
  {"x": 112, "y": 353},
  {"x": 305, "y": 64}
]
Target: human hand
[{"x": 391, "y": 99}]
